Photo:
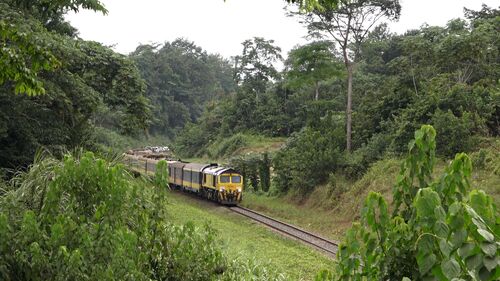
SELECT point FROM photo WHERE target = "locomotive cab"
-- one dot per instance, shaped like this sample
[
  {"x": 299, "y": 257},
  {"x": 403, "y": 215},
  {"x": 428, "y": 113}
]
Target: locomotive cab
[
  {"x": 230, "y": 187},
  {"x": 224, "y": 185}
]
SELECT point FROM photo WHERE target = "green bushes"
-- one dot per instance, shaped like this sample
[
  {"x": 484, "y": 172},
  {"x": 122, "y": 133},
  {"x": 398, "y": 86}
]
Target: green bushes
[
  {"x": 454, "y": 133},
  {"x": 84, "y": 218},
  {"x": 78, "y": 222},
  {"x": 161, "y": 174},
  {"x": 439, "y": 229},
  {"x": 307, "y": 159}
]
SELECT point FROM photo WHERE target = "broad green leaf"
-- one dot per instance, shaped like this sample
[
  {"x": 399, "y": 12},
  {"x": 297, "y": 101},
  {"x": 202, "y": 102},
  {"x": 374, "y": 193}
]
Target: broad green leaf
[
  {"x": 441, "y": 229},
  {"x": 456, "y": 222},
  {"x": 426, "y": 202},
  {"x": 490, "y": 249},
  {"x": 474, "y": 261},
  {"x": 459, "y": 237},
  {"x": 491, "y": 262},
  {"x": 426, "y": 244},
  {"x": 440, "y": 213},
  {"x": 454, "y": 208},
  {"x": 425, "y": 263},
  {"x": 450, "y": 268},
  {"x": 486, "y": 235},
  {"x": 466, "y": 250},
  {"x": 485, "y": 274},
  {"x": 445, "y": 247}
]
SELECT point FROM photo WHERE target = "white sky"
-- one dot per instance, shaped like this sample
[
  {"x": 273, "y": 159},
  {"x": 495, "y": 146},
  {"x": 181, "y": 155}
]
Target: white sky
[{"x": 220, "y": 27}]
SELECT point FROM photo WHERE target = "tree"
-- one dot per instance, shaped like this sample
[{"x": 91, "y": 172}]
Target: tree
[
  {"x": 23, "y": 37},
  {"x": 254, "y": 68},
  {"x": 348, "y": 23},
  {"x": 310, "y": 64}
]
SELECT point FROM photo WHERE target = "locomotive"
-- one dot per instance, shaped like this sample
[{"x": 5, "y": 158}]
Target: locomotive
[{"x": 213, "y": 182}]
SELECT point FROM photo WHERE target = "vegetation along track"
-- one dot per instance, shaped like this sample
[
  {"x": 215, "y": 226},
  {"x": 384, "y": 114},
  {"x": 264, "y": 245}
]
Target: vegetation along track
[{"x": 325, "y": 245}]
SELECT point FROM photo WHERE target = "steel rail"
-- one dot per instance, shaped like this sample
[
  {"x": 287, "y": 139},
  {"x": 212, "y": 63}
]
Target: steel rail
[{"x": 328, "y": 246}]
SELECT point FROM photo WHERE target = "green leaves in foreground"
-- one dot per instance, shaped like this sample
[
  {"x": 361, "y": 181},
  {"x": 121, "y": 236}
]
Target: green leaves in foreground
[
  {"x": 87, "y": 219},
  {"x": 161, "y": 174},
  {"x": 440, "y": 230},
  {"x": 98, "y": 223}
]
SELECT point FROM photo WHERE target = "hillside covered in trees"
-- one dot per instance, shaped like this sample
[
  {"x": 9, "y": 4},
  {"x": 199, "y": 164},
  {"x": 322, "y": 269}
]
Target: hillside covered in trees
[{"x": 444, "y": 76}]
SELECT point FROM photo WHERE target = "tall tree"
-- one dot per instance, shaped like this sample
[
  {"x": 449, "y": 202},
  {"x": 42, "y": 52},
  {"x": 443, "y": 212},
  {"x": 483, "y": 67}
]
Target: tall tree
[
  {"x": 347, "y": 23},
  {"x": 255, "y": 66},
  {"x": 310, "y": 64}
]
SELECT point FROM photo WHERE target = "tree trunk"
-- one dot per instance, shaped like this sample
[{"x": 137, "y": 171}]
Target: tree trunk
[
  {"x": 316, "y": 96},
  {"x": 349, "y": 106}
]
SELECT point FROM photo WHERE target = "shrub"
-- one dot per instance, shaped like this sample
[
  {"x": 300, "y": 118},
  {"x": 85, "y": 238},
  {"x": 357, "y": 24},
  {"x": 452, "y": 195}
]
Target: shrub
[
  {"x": 308, "y": 159},
  {"x": 161, "y": 174},
  {"x": 479, "y": 159},
  {"x": 249, "y": 167},
  {"x": 439, "y": 230},
  {"x": 265, "y": 172},
  {"x": 355, "y": 164},
  {"x": 455, "y": 134}
]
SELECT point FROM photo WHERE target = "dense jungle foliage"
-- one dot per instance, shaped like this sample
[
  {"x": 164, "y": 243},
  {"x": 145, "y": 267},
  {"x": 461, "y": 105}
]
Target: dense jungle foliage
[
  {"x": 181, "y": 79},
  {"x": 444, "y": 76},
  {"x": 78, "y": 216}
]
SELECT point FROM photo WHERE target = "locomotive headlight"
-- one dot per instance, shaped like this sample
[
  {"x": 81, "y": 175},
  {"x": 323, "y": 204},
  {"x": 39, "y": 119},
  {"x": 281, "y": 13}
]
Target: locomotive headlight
[
  {"x": 239, "y": 189},
  {"x": 222, "y": 188}
]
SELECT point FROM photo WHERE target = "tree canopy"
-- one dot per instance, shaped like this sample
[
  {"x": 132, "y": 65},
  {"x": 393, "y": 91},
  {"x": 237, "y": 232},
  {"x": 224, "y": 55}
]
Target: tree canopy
[
  {"x": 311, "y": 64},
  {"x": 84, "y": 83}
]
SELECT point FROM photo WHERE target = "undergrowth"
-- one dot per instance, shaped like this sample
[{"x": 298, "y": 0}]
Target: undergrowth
[{"x": 84, "y": 218}]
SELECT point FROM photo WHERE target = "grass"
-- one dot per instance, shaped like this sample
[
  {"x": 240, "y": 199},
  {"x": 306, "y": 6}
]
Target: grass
[
  {"x": 244, "y": 238},
  {"x": 260, "y": 144},
  {"x": 248, "y": 144}
]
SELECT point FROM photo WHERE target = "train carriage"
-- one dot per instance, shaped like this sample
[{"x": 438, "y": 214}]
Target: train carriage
[
  {"x": 175, "y": 173},
  {"x": 192, "y": 176}
]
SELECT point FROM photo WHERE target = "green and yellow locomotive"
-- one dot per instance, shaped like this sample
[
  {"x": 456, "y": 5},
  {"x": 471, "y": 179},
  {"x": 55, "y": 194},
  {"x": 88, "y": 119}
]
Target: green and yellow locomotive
[{"x": 220, "y": 184}]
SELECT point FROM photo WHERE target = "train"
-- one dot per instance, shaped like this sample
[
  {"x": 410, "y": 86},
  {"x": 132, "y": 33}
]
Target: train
[{"x": 211, "y": 181}]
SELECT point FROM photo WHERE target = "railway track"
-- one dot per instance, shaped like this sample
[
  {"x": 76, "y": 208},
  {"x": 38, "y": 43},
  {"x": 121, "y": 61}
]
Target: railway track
[{"x": 325, "y": 245}]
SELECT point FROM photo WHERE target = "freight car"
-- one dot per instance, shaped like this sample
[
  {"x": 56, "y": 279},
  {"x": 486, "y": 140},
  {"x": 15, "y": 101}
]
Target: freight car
[{"x": 213, "y": 182}]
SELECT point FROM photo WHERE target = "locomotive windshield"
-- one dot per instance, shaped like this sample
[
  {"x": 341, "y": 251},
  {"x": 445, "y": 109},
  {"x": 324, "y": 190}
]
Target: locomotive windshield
[
  {"x": 224, "y": 179},
  {"x": 236, "y": 179}
]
